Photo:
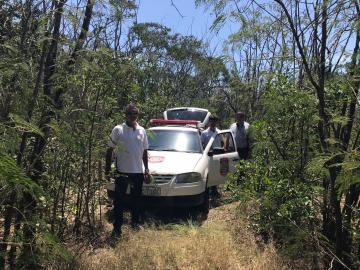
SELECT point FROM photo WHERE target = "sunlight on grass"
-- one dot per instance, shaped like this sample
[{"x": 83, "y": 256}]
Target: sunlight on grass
[{"x": 186, "y": 246}]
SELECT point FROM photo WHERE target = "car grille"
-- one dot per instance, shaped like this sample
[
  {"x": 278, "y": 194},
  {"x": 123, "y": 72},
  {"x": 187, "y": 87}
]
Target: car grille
[{"x": 162, "y": 179}]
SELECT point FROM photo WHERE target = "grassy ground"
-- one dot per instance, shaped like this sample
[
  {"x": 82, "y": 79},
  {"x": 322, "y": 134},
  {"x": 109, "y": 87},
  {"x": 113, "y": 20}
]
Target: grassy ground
[{"x": 220, "y": 242}]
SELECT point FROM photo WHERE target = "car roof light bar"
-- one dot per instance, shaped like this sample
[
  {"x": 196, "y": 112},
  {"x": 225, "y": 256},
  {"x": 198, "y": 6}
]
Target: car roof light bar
[{"x": 174, "y": 122}]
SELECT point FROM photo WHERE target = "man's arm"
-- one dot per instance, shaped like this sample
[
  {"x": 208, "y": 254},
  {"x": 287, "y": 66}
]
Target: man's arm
[
  {"x": 145, "y": 153},
  {"x": 202, "y": 138},
  {"x": 146, "y": 161},
  {"x": 108, "y": 161}
]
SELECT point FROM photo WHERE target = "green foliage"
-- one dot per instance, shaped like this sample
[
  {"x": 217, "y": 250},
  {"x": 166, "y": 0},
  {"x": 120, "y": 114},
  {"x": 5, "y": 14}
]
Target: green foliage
[
  {"x": 24, "y": 126},
  {"x": 276, "y": 178},
  {"x": 51, "y": 252},
  {"x": 286, "y": 210},
  {"x": 284, "y": 100},
  {"x": 286, "y": 129},
  {"x": 12, "y": 178},
  {"x": 173, "y": 70},
  {"x": 350, "y": 173},
  {"x": 48, "y": 251},
  {"x": 218, "y": 23},
  {"x": 249, "y": 189},
  {"x": 316, "y": 166}
]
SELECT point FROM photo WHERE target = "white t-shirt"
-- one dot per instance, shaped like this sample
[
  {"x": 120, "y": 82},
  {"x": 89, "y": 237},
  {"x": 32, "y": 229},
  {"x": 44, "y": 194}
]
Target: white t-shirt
[
  {"x": 207, "y": 134},
  {"x": 129, "y": 145},
  {"x": 240, "y": 134}
]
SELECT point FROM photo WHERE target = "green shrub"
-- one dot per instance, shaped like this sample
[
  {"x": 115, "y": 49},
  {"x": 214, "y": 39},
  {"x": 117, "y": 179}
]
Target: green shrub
[{"x": 285, "y": 213}]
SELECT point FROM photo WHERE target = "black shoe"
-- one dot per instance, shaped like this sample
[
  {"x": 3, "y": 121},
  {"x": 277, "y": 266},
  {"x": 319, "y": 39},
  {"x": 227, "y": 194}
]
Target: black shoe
[
  {"x": 116, "y": 234},
  {"x": 114, "y": 238},
  {"x": 135, "y": 226},
  {"x": 215, "y": 194},
  {"x": 137, "y": 221}
]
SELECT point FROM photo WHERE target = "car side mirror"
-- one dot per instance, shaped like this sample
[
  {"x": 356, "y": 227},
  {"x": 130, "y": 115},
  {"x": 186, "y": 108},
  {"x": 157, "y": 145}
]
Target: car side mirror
[
  {"x": 219, "y": 150},
  {"x": 216, "y": 151}
]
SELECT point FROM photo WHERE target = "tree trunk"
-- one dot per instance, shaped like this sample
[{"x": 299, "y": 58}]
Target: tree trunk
[
  {"x": 9, "y": 212},
  {"x": 35, "y": 173}
]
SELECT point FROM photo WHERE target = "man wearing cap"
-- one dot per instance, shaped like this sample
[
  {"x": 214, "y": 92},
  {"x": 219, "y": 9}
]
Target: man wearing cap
[
  {"x": 130, "y": 143},
  {"x": 240, "y": 130},
  {"x": 211, "y": 131}
]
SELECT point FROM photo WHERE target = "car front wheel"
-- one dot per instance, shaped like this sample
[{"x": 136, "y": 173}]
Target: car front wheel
[
  {"x": 200, "y": 212},
  {"x": 204, "y": 207}
]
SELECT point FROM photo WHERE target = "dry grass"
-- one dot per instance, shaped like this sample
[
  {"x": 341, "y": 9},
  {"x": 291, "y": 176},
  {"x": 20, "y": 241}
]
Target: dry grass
[
  {"x": 177, "y": 248},
  {"x": 220, "y": 243}
]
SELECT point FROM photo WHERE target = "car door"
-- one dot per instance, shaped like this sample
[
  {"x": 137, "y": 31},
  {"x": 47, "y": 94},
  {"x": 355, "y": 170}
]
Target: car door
[
  {"x": 222, "y": 158},
  {"x": 231, "y": 150}
]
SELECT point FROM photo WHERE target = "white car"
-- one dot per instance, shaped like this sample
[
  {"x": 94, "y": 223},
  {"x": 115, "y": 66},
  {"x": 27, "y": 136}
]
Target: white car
[
  {"x": 188, "y": 113},
  {"x": 181, "y": 169}
]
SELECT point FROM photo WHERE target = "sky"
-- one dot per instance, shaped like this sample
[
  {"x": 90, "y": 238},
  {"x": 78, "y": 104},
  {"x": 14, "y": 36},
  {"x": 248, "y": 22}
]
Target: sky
[{"x": 185, "y": 18}]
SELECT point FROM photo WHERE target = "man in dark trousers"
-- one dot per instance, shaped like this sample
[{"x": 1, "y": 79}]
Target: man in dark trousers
[
  {"x": 240, "y": 130},
  {"x": 130, "y": 143}
]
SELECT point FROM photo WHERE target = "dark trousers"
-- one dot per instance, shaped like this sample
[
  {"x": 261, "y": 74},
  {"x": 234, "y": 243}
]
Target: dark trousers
[
  {"x": 243, "y": 153},
  {"x": 135, "y": 180}
]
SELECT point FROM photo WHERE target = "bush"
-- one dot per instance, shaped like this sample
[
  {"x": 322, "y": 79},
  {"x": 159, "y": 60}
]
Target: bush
[{"x": 285, "y": 213}]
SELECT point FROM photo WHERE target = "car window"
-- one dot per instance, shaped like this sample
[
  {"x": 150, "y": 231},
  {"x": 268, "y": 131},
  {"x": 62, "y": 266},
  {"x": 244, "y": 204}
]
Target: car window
[
  {"x": 228, "y": 142},
  {"x": 224, "y": 143},
  {"x": 172, "y": 140},
  {"x": 184, "y": 114}
]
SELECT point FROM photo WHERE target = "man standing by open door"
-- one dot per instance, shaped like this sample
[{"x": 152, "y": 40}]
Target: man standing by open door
[
  {"x": 240, "y": 130},
  {"x": 211, "y": 131}
]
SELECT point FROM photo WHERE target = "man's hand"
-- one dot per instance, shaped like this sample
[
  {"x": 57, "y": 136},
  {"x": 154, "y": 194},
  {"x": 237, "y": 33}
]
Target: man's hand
[
  {"x": 107, "y": 176},
  {"x": 147, "y": 178}
]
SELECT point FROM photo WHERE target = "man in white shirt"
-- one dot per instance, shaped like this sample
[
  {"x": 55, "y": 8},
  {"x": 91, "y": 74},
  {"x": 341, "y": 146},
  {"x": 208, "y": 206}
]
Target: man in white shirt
[
  {"x": 211, "y": 131},
  {"x": 240, "y": 130},
  {"x": 130, "y": 143},
  {"x": 206, "y": 135}
]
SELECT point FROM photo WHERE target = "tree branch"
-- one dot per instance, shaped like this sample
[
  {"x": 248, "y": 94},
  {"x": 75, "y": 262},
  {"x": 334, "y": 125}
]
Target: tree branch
[{"x": 178, "y": 11}]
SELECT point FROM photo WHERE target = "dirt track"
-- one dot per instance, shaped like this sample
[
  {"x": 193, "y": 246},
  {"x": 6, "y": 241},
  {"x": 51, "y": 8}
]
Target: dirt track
[{"x": 173, "y": 242}]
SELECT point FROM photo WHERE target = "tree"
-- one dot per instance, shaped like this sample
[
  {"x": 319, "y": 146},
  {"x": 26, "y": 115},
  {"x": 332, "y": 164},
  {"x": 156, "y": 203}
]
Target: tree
[{"x": 321, "y": 35}]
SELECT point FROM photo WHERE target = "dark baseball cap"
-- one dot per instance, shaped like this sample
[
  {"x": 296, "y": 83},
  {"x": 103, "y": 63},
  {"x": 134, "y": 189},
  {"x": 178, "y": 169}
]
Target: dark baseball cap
[{"x": 213, "y": 117}]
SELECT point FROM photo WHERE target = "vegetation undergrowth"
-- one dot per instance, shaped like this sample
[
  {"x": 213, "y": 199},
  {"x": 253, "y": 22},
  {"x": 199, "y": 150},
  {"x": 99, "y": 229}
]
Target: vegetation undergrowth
[{"x": 216, "y": 244}]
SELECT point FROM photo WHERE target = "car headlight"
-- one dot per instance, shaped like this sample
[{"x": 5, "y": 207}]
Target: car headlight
[{"x": 188, "y": 177}]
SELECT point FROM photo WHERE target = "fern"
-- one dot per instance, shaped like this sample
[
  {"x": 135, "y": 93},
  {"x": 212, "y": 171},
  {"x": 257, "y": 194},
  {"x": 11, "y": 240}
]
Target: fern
[
  {"x": 12, "y": 178},
  {"x": 22, "y": 125}
]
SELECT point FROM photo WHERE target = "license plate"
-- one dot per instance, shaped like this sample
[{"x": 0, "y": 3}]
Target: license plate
[{"x": 151, "y": 191}]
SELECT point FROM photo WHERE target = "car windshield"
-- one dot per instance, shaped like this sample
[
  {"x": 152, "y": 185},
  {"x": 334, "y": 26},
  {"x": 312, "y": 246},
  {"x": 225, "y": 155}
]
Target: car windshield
[
  {"x": 173, "y": 140},
  {"x": 185, "y": 114}
]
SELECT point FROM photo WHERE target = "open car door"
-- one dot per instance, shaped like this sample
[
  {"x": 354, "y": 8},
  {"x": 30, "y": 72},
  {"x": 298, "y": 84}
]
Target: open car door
[{"x": 223, "y": 158}]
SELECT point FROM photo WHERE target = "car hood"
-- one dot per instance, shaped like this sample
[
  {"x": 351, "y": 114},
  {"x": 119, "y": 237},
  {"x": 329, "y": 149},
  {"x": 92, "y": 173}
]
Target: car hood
[{"x": 166, "y": 162}]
